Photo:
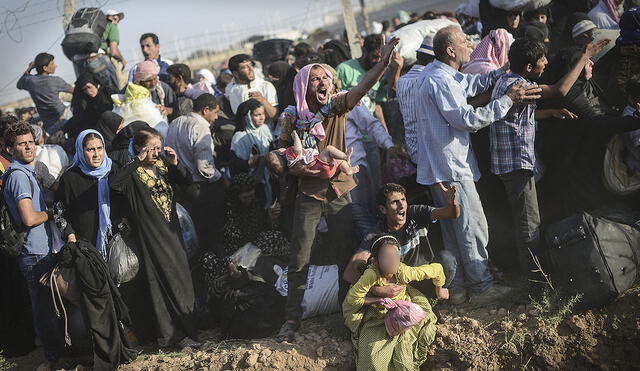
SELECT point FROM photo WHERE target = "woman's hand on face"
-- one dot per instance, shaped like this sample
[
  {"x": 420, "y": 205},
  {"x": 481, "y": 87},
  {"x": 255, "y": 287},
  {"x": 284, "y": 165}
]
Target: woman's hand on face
[
  {"x": 142, "y": 155},
  {"x": 171, "y": 155}
]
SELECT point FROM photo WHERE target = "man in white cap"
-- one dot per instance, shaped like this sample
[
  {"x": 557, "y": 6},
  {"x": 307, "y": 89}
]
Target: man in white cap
[
  {"x": 582, "y": 32},
  {"x": 406, "y": 91},
  {"x": 110, "y": 42}
]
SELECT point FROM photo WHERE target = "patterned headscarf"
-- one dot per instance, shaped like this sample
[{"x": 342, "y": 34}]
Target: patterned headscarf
[
  {"x": 145, "y": 70},
  {"x": 491, "y": 54}
]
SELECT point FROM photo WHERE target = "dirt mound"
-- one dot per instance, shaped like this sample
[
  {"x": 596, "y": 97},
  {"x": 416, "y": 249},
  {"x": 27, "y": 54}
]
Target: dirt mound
[{"x": 516, "y": 337}]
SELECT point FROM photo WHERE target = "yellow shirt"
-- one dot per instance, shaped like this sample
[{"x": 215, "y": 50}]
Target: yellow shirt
[{"x": 371, "y": 277}]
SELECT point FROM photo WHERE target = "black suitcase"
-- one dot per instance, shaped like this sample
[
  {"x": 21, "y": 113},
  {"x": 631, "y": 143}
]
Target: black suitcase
[
  {"x": 593, "y": 255},
  {"x": 84, "y": 32}
]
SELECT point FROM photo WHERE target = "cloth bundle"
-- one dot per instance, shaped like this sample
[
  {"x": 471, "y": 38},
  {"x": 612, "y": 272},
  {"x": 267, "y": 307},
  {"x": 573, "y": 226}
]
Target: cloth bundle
[
  {"x": 136, "y": 105},
  {"x": 401, "y": 315}
]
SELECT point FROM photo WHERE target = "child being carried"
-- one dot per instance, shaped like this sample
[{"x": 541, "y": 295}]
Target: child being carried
[{"x": 326, "y": 163}]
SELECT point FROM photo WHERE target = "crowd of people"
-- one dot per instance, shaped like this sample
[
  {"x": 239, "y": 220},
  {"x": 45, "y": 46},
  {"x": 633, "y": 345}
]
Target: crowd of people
[{"x": 418, "y": 177}]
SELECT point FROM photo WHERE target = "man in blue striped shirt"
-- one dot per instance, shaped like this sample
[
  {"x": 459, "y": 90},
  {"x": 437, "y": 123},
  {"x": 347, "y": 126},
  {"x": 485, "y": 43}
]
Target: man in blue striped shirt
[
  {"x": 445, "y": 120},
  {"x": 513, "y": 137},
  {"x": 407, "y": 95}
]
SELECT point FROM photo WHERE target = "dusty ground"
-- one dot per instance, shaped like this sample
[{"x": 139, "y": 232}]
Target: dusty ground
[{"x": 511, "y": 337}]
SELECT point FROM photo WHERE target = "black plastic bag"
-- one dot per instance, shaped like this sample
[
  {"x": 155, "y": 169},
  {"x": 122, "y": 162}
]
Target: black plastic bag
[{"x": 121, "y": 259}]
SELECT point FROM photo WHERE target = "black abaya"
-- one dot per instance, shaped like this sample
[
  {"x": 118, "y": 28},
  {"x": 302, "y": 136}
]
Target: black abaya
[{"x": 164, "y": 260}]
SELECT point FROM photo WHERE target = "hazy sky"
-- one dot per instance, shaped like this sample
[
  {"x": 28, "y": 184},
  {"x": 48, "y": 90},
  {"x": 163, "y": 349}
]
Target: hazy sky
[{"x": 28, "y": 27}]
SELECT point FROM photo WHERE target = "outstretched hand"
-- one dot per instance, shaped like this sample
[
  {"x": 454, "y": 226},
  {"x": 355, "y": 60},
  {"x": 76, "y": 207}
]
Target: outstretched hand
[
  {"x": 387, "y": 50},
  {"x": 563, "y": 113},
  {"x": 595, "y": 47},
  {"x": 450, "y": 193},
  {"x": 520, "y": 95}
]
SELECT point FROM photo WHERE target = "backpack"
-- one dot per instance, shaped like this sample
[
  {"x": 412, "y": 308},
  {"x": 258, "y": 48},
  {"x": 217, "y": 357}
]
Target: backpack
[
  {"x": 84, "y": 32},
  {"x": 11, "y": 237}
]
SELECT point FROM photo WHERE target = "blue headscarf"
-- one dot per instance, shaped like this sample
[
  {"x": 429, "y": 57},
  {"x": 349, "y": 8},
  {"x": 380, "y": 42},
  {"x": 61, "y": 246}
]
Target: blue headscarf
[{"x": 102, "y": 174}]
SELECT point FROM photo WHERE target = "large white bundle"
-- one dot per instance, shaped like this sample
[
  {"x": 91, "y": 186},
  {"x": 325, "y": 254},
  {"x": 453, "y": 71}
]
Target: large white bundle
[
  {"x": 54, "y": 157},
  {"x": 469, "y": 8},
  {"x": 143, "y": 109},
  {"x": 519, "y": 5},
  {"x": 412, "y": 35}
]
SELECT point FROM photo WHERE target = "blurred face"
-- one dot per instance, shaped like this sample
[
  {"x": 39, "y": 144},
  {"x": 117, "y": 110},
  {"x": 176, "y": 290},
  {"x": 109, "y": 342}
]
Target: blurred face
[
  {"x": 90, "y": 90},
  {"x": 542, "y": 18},
  {"x": 258, "y": 116},
  {"x": 24, "y": 148},
  {"x": 513, "y": 20},
  {"x": 318, "y": 86},
  {"x": 154, "y": 147},
  {"x": 113, "y": 18},
  {"x": 584, "y": 38},
  {"x": 275, "y": 164},
  {"x": 372, "y": 58},
  {"x": 395, "y": 210},
  {"x": 150, "y": 83},
  {"x": 461, "y": 48},
  {"x": 51, "y": 67},
  {"x": 247, "y": 198},
  {"x": 389, "y": 259},
  {"x": 94, "y": 152},
  {"x": 149, "y": 49},
  {"x": 245, "y": 73},
  {"x": 588, "y": 70},
  {"x": 177, "y": 84}
]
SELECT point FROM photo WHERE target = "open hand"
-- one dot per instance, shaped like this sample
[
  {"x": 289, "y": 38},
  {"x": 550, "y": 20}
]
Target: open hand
[
  {"x": 387, "y": 291},
  {"x": 387, "y": 50},
  {"x": 171, "y": 155},
  {"x": 300, "y": 169},
  {"x": 595, "y": 47},
  {"x": 563, "y": 113},
  {"x": 257, "y": 96},
  {"x": 520, "y": 95},
  {"x": 450, "y": 193}
]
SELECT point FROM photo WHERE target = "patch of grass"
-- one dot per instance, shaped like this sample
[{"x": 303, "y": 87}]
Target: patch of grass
[
  {"x": 515, "y": 339},
  {"x": 5, "y": 364},
  {"x": 553, "y": 307}
]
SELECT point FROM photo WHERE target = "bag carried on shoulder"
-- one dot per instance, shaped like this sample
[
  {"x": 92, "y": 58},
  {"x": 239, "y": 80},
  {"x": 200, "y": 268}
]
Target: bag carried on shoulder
[{"x": 11, "y": 234}]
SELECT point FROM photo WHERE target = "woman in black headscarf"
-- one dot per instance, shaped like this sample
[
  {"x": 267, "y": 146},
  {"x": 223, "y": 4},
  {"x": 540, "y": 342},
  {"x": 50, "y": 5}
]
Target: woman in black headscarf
[
  {"x": 281, "y": 75},
  {"x": 335, "y": 52},
  {"x": 89, "y": 101},
  {"x": 109, "y": 124},
  {"x": 120, "y": 152}
]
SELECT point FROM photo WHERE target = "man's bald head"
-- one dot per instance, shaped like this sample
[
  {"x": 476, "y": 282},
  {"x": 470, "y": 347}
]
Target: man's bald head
[{"x": 450, "y": 45}]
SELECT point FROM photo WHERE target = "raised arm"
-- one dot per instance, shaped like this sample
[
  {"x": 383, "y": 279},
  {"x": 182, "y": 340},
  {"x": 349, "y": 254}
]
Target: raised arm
[
  {"x": 562, "y": 87},
  {"x": 373, "y": 75}
]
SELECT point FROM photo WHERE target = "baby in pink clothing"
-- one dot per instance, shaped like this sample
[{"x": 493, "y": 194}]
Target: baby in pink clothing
[{"x": 326, "y": 162}]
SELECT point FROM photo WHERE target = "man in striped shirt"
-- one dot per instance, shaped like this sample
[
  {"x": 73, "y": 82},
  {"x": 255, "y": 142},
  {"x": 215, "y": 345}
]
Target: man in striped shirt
[{"x": 407, "y": 86}]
